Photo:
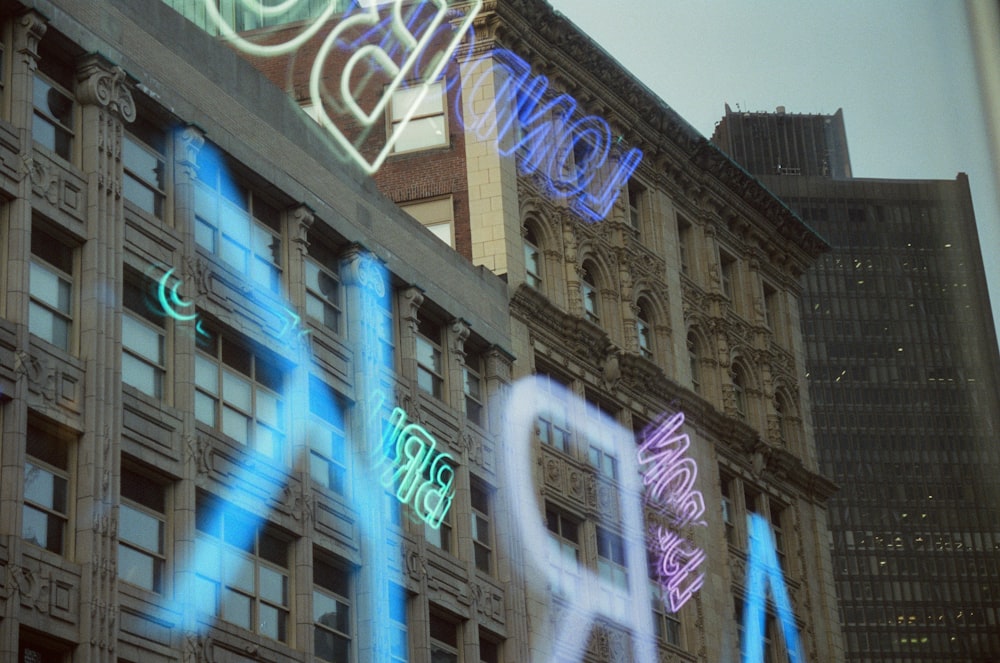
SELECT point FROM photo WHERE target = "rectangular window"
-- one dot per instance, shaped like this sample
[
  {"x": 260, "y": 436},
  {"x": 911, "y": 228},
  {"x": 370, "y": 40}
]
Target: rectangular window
[
  {"x": 473, "y": 388},
  {"x": 568, "y": 533},
  {"x": 327, "y": 456},
  {"x": 727, "y": 272},
  {"x": 46, "y": 490},
  {"x": 611, "y": 558},
  {"x": 33, "y": 647},
  {"x": 482, "y": 538},
  {"x": 323, "y": 292},
  {"x": 532, "y": 265},
  {"x": 777, "y": 515},
  {"x": 430, "y": 375},
  {"x": 636, "y": 204},
  {"x": 331, "y": 611},
  {"x": 489, "y": 650},
  {"x": 143, "y": 338},
  {"x": 234, "y": 223},
  {"x": 440, "y": 536},
  {"x": 553, "y": 426},
  {"x": 428, "y": 125},
  {"x": 399, "y": 647},
  {"x": 444, "y": 640},
  {"x": 50, "y": 314},
  {"x": 667, "y": 624},
  {"x": 728, "y": 512},
  {"x": 684, "y": 244},
  {"x": 55, "y": 116},
  {"x": 243, "y": 569},
  {"x": 144, "y": 162},
  {"x": 141, "y": 532},
  {"x": 240, "y": 393},
  {"x": 435, "y": 215}
]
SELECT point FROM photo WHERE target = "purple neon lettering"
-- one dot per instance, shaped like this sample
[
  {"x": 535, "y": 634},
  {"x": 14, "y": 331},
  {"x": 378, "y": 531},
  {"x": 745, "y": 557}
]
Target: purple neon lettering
[
  {"x": 597, "y": 139},
  {"x": 598, "y": 205},
  {"x": 658, "y": 438}
]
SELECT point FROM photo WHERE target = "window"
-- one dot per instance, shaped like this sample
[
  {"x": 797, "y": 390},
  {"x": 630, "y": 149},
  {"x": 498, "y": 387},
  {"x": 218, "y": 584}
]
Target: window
[
  {"x": 532, "y": 260},
  {"x": 777, "y": 515},
  {"x": 666, "y": 623},
  {"x": 239, "y": 393},
  {"x": 142, "y": 532},
  {"x": 54, "y": 118},
  {"x": 606, "y": 463},
  {"x": 430, "y": 376},
  {"x": 327, "y": 456},
  {"x": 482, "y": 539},
  {"x": 553, "y": 425},
  {"x": 331, "y": 611},
  {"x": 684, "y": 244},
  {"x": 568, "y": 532},
  {"x": 772, "y": 316},
  {"x": 727, "y": 272},
  {"x": 739, "y": 393},
  {"x": 242, "y": 569},
  {"x": 473, "y": 387},
  {"x": 728, "y": 511},
  {"x": 444, "y": 641},
  {"x": 323, "y": 293},
  {"x": 427, "y": 126},
  {"x": 38, "y": 648},
  {"x": 489, "y": 650},
  {"x": 144, "y": 163},
  {"x": 435, "y": 215},
  {"x": 589, "y": 291},
  {"x": 50, "y": 315},
  {"x": 46, "y": 490},
  {"x": 439, "y": 536},
  {"x": 235, "y": 224},
  {"x": 143, "y": 338},
  {"x": 611, "y": 558},
  {"x": 399, "y": 647},
  {"x": 693, "y": 359},
  {"x": 636, "y": 204},
  {"x": 644, "y": 329}
]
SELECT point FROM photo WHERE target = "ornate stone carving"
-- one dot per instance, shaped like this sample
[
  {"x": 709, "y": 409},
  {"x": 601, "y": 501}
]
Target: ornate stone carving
[
  {"x": 197, "y": 649},
  {"x": 198, "y": 271},
  {"x": 30, "y": 586},
  {"x": 412, "y": 298},
  {"x": 105, "y": 85},
  {"x": 473, "y": 449},
  {"x": 28, "y": 31},
  {"x": 188, "y": 142},
  {"x": 302, "y": 220},
  {"x": 42, "y": 378},
  {"x": 199, "y": 452},
  {"x": 611, "y": 372},
  {"x": 459, "y": 332},
  {"x": 44, "y": 180}
]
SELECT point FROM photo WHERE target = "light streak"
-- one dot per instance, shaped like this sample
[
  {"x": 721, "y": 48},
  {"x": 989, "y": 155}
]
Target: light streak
[
  {"x": 671, "y": 478},
  {"x": 585, "y": 592},
  {"x": 367, "y": 56},
  {"x": 763, "y": 570},
  {"x": 550, "y": 138},
  {"x": 168, "y": 304}
]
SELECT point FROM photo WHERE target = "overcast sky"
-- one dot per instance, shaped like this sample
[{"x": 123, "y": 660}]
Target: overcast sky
[{"x": 902, "y": 70}]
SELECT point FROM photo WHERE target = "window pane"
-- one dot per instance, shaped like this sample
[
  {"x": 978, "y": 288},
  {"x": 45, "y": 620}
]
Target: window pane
[
  {"x": 137, "y": 568},
  {"x": 204, "y": 235},
  {"x": 236, "y": 608},
  {"x": 425, "y": 132},
  {"x": 140, "y": 528},
  {"x": 49, "y": 288},
  {"x": 272, "y": 622},
  {"x": 235, "y": 425},
  {"x": 268, "y": 408},
  {"x": 142, "y": 340},
  {"x": 204, "y": 408},
  {"x": 40, "y": 487},
  {"x": 35, "y": 526},
  {"x": 140, "y": 375},
  {"x": 332, "y": 647},
  {"x": 273, "y": 586},
  {"x": 236, "y": 391},
  {"x": 330, "y": 612}
]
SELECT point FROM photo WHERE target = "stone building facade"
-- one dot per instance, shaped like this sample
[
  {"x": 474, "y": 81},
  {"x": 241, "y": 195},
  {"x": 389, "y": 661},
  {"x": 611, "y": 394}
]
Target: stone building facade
[{"x": 132, "y": 140}]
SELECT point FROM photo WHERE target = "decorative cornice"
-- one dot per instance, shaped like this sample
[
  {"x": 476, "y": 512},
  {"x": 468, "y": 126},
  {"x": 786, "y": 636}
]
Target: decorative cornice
[{"x": 101, "y": 83}]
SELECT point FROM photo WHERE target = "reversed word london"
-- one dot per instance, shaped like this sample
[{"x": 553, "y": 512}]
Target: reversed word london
[
  {"x": 670, "y": 477},
  {"x": 417, "y": 472}
]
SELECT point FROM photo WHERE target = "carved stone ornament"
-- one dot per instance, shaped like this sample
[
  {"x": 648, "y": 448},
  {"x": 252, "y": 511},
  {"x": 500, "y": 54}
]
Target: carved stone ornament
[
  {"x": 199, "y": 452},
  {"x": 197, "y": 649},
  {"x": 302, "y": 220},
  {"x": 42, "y": 378},
  {"x": 44, "y": 179},
  {"x": 101, "y": 84},
  {"x": 188, "y": 142},
  {"x": 28, "y": 31}
]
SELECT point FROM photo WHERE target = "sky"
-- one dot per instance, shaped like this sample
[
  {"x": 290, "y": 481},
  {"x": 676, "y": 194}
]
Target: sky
[{"x": 903, "y": 71}]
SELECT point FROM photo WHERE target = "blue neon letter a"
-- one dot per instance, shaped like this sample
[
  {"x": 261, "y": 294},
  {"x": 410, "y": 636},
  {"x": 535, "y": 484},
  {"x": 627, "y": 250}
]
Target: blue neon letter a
[{"x": 763, "y": 570}]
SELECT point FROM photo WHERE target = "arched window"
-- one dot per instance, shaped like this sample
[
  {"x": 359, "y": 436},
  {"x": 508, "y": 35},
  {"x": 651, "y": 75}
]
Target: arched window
[
  {"x": 692, "y": 343},
  {"x": 532, "y": 260},
  {"x": 589, "y": 288},
  {"x": 739, "y": 391},
  {"x": 644, "y": 329}
]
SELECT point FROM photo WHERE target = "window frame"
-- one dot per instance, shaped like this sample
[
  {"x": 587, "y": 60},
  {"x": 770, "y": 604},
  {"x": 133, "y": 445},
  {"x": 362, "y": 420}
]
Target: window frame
[
  {"x": 590, "y": 293},
  {"x": 321, "y": 261},
  {"x": 212, "y": 204},
  {"x": 148, "y": 320},
  {"x": 335, "y": 464},
  {"x": 45, "y": 115},
  {"x": 727, "y": 274},
  {"x": 159, "y": 557},
  {"x": 424, "y": 336},
  {"x": 256, "y": 388},
  {"x": 611, "y": 545},
  {"x": 474, "y": 404},
  {"x": 694, "y": 361},
  {"x": 482, "y": 520},
  {"x": 38, "y": 431},
  {"x": 667, "y": 624},
  {"x": 533, "y": 254},
  {"x": 644, "y": 329},
  {"x": 40, "y": 262},
  {"x": 637, "y": 200},
  {"x": 438, "y": 623},
  {"x": 441, "y": 537},
  {"x": 550, "y": 428},
  {"x": 223, "y": 583},
  {"x": 392, "y": 121},
  {"x": 340, "y": 599},
  {"x": 684, "y": 244},
  {"x": 554, "y": 516},
  {"x": 159, "y": 190}
]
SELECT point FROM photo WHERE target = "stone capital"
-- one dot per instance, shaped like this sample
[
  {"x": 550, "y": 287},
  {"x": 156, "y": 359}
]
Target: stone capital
[{"x": 100, "y": 83}]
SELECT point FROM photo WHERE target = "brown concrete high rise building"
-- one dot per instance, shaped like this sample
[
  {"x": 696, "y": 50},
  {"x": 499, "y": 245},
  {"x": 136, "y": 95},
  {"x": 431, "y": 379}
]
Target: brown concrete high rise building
[{"x": 905, "y": 384}]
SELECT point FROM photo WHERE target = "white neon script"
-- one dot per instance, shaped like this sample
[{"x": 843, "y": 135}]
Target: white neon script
[
  {"x": 576, "y": 158},
  {"x": 416, "y": 458},
  {"x": 670, "y": 476},
  {"x": 371, "y": 53}
]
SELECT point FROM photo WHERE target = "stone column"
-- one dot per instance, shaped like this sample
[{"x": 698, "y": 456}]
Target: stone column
[{"x": 106, "y": 100}]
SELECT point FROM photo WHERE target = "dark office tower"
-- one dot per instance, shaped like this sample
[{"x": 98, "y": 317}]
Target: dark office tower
[{"x": 903, "y": 376}]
